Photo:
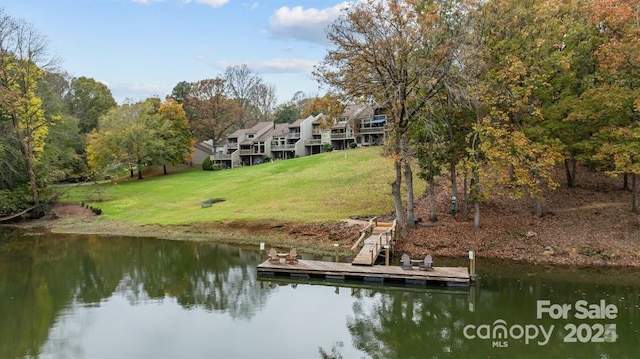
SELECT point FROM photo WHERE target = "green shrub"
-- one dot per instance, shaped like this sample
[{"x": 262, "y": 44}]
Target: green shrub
[
  {"x": 327, "y": 147},
  {"x": 207, "y": 165},
  {"x": 353, "y": 145}
]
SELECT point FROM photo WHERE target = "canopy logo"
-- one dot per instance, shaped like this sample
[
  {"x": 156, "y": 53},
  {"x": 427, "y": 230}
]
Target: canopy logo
[{"x": 499, "y": 332}]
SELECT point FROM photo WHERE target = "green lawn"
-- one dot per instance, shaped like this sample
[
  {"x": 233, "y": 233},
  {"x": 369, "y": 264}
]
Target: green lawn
[{"x": 325, "y": 187}]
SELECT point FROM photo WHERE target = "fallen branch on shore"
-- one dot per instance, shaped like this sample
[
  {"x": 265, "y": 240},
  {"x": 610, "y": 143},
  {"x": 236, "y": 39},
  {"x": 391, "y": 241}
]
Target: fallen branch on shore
[{"x": 8, "y": 218}]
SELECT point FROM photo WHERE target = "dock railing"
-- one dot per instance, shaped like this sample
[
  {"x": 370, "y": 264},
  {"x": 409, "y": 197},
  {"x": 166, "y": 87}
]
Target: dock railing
[
  {"x": 364, "y": 234},
  {"x": 377, "y": 247}
]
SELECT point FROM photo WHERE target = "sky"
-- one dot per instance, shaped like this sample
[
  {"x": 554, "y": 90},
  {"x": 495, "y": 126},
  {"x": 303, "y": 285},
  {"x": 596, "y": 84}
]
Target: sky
[{"x": 143, "y": 48}]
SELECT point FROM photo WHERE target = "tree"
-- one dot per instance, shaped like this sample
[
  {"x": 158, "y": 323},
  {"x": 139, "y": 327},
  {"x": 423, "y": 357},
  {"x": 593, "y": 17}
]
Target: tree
[
  {"x": 256, "y": 98},
  {"x": 87, "y": 100},
  {"x": 136, "y": 135},
  {"x": 123, "y": 139},
  {"x": 397, "y": 54},
  {"x": 618, "y": 69},
  {"x": 211, "y": 114},
  {"x": 621, "y": 149},
  {"x": 328, "y": 105},
  {"x": 23, "y": 56},
  {"x": 264, "y": 100},
  {"x": 429, "y": 152},
  {"x": 293, "y": 109},
  {"x": 567, "y": 101},
  {"x": 175, "y": 133},
  {"x": 521, "y": 54},
  {"x": 63, "y": 158}
]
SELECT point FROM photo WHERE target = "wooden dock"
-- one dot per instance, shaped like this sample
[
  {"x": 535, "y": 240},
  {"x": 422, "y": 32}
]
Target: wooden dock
[
  {"x": 373, "y": 239},
  {"x": 373, "y": 273},
  {"x": 457, "y": 290}
]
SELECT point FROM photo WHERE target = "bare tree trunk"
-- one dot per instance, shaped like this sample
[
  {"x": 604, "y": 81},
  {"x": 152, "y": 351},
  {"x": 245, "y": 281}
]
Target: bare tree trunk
[
  {"x": 139, "y": 171},
  {"x": 476, "y": 214},
  {"x": 432, "y": 201},
  {"x": 625, "y": 183},
  {"x": 465, "y": 196},
  {"x": 408, "y": 178},
  {"x": 570, "y": 178},
  {"x": 538, "y": 198},
  {"x": 397, "y": 200},
  {"x": 634, "y": 190},
  {"x": 164, "y": 169},
  {"x": 454, "y": 184},
  {"x": 538, "y": 206},
  {"x": 33, "y": 184},
  {"x": 475, "y": 188},
  {"x": 131, "y": 172}
]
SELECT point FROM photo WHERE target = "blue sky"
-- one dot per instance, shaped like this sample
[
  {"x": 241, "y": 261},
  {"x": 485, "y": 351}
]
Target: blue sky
[{"x": 143, "y": 48}]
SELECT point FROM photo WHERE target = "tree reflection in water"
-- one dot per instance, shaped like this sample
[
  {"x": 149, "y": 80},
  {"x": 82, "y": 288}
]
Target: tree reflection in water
[
  {"x": 48, "y": 284},
  {"x": 41, "y": 275}
]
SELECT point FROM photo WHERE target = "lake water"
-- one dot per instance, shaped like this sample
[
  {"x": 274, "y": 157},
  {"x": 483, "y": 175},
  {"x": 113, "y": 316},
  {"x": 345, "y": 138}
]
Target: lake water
[{"x": 112, "y": 297}]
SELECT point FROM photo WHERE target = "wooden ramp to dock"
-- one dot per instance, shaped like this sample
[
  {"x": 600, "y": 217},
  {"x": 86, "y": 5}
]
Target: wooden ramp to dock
[
  {"x": 373, "y": 239},
  {"x": 374, "y": 273}
]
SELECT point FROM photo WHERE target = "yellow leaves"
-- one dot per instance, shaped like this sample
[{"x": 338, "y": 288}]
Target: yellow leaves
[
  {"x": 620, "y": 149},
  {"x": 515, "y": 161}
]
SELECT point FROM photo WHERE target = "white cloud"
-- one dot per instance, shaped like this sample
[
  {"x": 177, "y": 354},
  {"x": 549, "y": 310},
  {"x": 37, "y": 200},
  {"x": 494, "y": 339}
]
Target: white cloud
[
  {"x": 214, "y": 3},
  {"x": 304, "y": 24},
  {"x": 274, "y": 66},
  {"x": 251, "y": 6}
]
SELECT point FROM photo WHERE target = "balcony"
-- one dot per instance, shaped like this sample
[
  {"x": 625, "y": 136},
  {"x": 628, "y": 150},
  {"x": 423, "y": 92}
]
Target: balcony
[
  {"x": 341, "y": 136},
  {"x": 232, "y": 146},
  {"x": 219, "y": 157},
  {"x": 293, "y": 136},
  {"x": 283, "y": 147},
  {"x": 316, "y": 142},
  {"x": 372, "y": 130}
]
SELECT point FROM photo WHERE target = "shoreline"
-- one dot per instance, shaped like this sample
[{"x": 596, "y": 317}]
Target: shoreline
[{"x": 447, "y": 239}]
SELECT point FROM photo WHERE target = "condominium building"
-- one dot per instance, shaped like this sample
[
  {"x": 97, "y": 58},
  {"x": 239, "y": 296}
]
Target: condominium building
[{"x": 358, "y": 125}]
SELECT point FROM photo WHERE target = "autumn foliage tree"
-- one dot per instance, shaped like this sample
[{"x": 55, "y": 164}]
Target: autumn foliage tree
[
  {"x": 618, "y": 69},
  {"x": 137, "y": 135},
  {"x": 211, "y": 113},
  {"x": 23, "y": 57},
  {"x": 397, "y": 54},
  {"x": 521, "y": 53},
  {"x": 175, "y": 134}
]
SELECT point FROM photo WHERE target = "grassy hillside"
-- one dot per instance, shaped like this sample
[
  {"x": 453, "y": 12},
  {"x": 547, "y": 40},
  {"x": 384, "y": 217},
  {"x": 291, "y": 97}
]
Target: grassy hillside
[{"x": 319, "y": 188}]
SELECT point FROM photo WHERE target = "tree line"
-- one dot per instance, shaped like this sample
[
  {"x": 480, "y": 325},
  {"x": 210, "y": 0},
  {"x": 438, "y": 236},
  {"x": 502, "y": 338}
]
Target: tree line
[
  {"x": 55, "y": 127},
  {"x": 497, "y": 93}
]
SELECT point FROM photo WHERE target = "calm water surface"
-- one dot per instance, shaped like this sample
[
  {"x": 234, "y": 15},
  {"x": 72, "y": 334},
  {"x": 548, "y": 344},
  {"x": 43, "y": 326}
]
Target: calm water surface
[{"x": 111, "y": 297}]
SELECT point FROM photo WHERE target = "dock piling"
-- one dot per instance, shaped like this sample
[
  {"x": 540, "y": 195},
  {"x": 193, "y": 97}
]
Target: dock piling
[
  {"x": 472, "y": 265},
  {"x": 386, "y": 255}
]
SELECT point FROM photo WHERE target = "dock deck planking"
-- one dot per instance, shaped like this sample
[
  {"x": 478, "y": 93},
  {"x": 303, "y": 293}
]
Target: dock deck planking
[
  {"x": 321, "y": 268},
  {"x": 371, "y": 247}
]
